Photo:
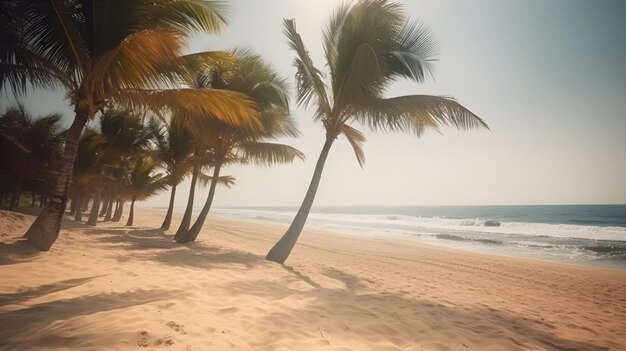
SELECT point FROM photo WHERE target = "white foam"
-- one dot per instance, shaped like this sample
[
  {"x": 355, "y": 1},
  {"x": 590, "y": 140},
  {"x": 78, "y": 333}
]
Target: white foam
[{"x": 412, "y": 225}]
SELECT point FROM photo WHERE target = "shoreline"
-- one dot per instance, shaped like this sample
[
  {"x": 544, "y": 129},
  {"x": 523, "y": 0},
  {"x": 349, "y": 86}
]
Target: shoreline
[
  {"x": 446, "y": 238},
  {"x": 112, "y": 287}
]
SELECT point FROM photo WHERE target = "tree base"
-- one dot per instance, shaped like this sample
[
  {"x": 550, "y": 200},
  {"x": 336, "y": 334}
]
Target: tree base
[{"x": 44, "y": 231}]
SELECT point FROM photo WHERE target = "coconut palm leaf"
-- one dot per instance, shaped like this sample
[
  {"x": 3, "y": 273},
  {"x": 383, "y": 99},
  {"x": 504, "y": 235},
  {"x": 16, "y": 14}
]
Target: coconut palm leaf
[
  {"x": 356, "y": 140},
  {"x": 228, "y": 181},
  {"x": 308, "y": 79},
  {"x": 269, "y": 154},
  {"x": 230, "y": 107},
  {"x": 415, "y": 113},
  {"x": 185, "y": 15}
]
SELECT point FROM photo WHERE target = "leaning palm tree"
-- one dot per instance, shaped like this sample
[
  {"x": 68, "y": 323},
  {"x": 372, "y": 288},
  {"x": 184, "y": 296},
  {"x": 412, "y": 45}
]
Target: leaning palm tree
[
  {"x": 143, "y": 183},
  {"x": 368, "y": 45},
  {"x": 174, "y": 149},
  {"x": 252, "y": 76},
  {"x": 102, "y": 52}
]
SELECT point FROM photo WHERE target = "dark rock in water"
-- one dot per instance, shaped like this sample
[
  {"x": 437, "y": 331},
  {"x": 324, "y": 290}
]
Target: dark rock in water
[{"x": 492, "y": 223}]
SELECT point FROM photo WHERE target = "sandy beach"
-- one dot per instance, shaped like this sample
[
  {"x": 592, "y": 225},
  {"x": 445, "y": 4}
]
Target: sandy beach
[{"x": 112, "y": 287}]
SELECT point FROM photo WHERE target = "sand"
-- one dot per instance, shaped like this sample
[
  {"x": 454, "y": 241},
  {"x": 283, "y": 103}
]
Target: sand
[{"x": 118, "y": 288}]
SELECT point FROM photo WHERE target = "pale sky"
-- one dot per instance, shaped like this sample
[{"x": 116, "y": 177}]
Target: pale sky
[{"x": 549, "y": 77}]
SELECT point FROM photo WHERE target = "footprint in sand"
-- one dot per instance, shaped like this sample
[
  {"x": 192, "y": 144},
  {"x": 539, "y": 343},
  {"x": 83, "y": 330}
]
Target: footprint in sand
[
  {"x": 176, "y": 327},
  {"x": 143, "y": 339},
  {"x": 165, "y": 341}
]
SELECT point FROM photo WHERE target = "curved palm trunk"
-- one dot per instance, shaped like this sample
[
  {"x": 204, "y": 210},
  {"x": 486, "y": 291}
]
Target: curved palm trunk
[
  {"x": 131, "y": 214},
  {"x": 45, "y": 229},
  {"x": 119, "y": 211},
  {"x": 184, "y": 224},
  {"x": 95, "y": 207},
  {"x": 192, "y": 233},
  {"x": 170, "y": 210},
  {"x": 281, "y": 250}
]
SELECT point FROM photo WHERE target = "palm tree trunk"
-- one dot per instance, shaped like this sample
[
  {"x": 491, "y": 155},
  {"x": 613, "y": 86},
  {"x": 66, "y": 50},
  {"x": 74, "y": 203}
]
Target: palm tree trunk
[
  {"x": 184, "y": 224},
  {"x": 105, "y": 204},
  {"x": 131, "y": 214},
  {"x": 73, "y": 206},
  {"x": 93, "y": 215},
  {"x": 192, "y": 233},
  {"x": 79, "y": 204},
  {"x": 45, "y": 229},
  {"x": 170, "y": 210},
  {"x": 109, "y": 212},
  {"x": 281, "y": 250},
  {"x": 119, "y": 211}
]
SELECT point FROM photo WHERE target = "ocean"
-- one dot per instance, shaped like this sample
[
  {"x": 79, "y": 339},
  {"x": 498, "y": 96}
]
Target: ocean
[{"x": 581, "y": 234}]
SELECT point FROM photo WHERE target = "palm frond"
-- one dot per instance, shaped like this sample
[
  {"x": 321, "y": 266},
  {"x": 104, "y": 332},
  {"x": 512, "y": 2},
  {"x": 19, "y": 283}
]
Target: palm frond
[
  {"x": 362, "y": 78},
  {"x": 356, "y": 140},
  {"x": 267, "y": 154},
  {"x": 51, "y": 32},
  {"x": 414, "y": 113},
  {"x": 228, "y": 181},
  {"x": 276, "y": 123},
  {"x": 308, "y": 78},
  {"x": 191, "y": 65},
  {"x": 140, "y": 61},
  {"x": 20, "y": 68},
  {"x": 414, "y": 52},
  {"x": 231, "y": 108},
  {"x": 184, "y": 15}
]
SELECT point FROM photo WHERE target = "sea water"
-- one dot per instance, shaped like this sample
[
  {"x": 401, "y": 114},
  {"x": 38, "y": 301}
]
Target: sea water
[{"x": 588, "y": 234}]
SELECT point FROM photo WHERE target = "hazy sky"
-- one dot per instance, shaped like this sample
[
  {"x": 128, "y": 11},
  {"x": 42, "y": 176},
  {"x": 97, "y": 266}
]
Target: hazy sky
[{"x": 549, "y": 77}]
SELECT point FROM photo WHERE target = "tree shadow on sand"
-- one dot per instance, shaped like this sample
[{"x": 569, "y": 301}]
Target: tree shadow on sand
[
  {"x": 31, "y": 293},
  {"x": 16, "y": 252},
  {"x": 28, "y": 323},
  {"x": 155, "y": 245},
  {"x": 400, "y": 319}
]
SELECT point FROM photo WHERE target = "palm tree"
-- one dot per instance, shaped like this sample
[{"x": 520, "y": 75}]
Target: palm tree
[
  {"x": 85, "y": 173},
  {"x": 126, "y": 139},
  {"x": 174, "y": 149},
  {"x": 252, "y": 76},
  {"x": 143, "y": 183},
  {"x": 368, "y": 45},
  {"x": 102, "y": 52},
  {"x": 37, "y": 144}
]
